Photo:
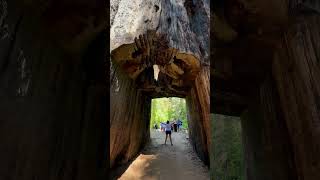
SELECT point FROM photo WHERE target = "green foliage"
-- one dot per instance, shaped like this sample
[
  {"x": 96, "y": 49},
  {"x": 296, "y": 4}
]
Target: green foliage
[
  {"x": 164, "y": 109},
  {"x": 227, "y": 148}
]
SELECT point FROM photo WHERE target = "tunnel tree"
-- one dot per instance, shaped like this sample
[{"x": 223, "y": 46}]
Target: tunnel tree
[{"x": 162, "y": 38}]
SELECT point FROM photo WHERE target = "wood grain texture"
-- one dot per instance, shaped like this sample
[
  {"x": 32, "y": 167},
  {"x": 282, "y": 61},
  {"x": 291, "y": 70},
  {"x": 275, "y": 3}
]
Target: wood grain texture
[
  {"x": 296, "y": 70},
  {"x": 52, "y": 103}
]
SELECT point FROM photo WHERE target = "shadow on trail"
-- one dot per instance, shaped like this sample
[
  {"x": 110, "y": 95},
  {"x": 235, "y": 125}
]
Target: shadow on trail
[{"x": 159, "y": 161}]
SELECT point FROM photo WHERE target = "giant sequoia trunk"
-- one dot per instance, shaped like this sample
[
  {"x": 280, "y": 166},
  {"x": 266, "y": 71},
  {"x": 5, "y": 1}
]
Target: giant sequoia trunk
[
  {"x": 267, "y": 147},
  {"x": 52, "y": 90},
  {"x": 296, "y": 69},
  {"x": 129, "y": 118},
  {"x": 174, "y": 36},
  {"x": 266, "y": 64},
  {"x": 199, "y": 115}
]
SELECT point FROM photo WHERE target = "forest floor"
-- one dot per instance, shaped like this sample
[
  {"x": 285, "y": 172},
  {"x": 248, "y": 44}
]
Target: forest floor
[{"x": 165, "y": 162}]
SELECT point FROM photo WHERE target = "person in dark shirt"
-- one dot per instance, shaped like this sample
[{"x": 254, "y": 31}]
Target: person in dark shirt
[
  {"x": 179, "y": 124},
  {"x": 175, "y": 126}
]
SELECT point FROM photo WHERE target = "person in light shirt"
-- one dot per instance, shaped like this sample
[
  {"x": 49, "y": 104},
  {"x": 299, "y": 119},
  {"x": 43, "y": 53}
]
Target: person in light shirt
[
  {"x": 162, "y": 126},
  {"x": 168, "y": 132}
]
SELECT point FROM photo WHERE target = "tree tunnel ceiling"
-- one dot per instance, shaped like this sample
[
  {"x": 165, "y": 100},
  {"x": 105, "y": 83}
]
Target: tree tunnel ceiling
[
  {"x": 245, "y": 34},
  {"x": 177, "y": 70}
]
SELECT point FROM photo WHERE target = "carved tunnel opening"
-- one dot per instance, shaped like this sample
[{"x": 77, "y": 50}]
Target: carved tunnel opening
[
  {"x": 134, "y": 85},
  {"x": 172, "y": 109}
]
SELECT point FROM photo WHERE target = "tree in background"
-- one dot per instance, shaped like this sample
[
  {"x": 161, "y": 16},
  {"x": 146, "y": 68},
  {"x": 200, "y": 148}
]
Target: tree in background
[
  {"x": 227, "y": 144},
  {"x": 163, "y": 109}
]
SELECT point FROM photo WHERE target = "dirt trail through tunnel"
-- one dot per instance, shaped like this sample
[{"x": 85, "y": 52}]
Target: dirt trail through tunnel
[{"x": 165, "y": 162}]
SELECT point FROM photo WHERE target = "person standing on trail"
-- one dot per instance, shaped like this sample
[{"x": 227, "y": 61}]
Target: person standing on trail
[
  {"x": 175, "y": 126},
  {"x": 162, "y": 126},
  {"x": 168, "y": 132},
  {"x": 179, "y": 124}
]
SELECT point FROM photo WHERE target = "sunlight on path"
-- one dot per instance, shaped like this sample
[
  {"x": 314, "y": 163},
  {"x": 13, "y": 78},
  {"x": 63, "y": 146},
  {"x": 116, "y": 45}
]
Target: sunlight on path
[{"x": 165, "y": 162}]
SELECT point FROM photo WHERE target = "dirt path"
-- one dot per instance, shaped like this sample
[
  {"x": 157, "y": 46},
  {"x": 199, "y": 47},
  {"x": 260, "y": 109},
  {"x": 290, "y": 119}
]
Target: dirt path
[{"x": 165, "y": 162}]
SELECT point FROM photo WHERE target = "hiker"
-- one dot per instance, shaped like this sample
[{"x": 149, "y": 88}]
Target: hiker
[
  {"x": 175, "y": 126},
  {"x": 155, "y": 126},
  {"x": 168, "y": 132},
  {"x": 179, "y": 124},
  {"x": 162, "y": 126}
]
